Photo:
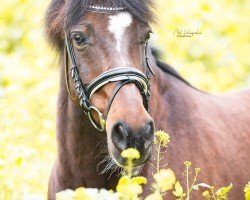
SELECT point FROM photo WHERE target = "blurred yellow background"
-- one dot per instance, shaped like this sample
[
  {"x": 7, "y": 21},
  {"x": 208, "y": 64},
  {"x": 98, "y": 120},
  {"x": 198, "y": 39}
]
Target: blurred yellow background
[{"x": 216, "y": 60}]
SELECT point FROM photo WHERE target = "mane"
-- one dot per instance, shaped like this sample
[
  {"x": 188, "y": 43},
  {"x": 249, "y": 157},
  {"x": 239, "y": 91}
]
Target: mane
[
  {"x": 73, "y": 11},
  {"x": 167, "y": 68}
]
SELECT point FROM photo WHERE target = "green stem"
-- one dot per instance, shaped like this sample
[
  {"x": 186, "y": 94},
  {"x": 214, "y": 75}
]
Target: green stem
[
  {"x": 187, "y": 180},
  {"x": 158, "y": 157},
  {"x": 129, "y": 168},
  {"x": 194, "y": 181},
  {"x": 212, "y": 191}
]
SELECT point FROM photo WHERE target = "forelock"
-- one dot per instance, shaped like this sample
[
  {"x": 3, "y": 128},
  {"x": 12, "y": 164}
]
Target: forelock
[{"x": 66, "y": 13}]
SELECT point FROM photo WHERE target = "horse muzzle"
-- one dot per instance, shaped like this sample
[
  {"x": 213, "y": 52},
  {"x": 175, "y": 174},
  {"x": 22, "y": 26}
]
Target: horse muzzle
[{"x": 124, "y": 137}]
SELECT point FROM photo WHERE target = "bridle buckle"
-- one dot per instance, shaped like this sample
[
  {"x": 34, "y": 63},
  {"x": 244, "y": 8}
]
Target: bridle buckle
[{"x": 102, "y": 121}]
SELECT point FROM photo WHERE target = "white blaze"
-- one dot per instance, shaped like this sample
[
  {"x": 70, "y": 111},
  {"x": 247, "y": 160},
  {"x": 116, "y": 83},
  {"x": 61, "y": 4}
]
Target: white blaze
[{"x": 117, "y": 26}]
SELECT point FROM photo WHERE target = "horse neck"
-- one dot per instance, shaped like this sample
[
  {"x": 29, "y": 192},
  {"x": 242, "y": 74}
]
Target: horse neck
[{"x": 171, "y": 101}]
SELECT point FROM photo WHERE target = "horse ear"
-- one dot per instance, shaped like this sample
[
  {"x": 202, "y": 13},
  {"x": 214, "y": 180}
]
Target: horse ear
[{"x": 54, "y": 19}]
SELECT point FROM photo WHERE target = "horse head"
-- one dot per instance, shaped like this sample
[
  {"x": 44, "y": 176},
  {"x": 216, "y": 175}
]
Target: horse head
[{"x": 107, "y": 72}]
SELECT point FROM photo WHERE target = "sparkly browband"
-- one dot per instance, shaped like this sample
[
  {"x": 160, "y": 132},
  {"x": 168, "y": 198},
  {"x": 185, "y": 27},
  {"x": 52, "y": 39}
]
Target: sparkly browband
[{"x": 101, "y": 8}]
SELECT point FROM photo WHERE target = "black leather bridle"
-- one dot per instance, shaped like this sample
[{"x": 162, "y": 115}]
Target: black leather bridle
[{"x": 122, "y": 75}]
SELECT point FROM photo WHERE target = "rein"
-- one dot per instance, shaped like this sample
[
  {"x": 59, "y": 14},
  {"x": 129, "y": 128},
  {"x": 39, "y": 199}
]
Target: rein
[{"x": 122, "y": 75}]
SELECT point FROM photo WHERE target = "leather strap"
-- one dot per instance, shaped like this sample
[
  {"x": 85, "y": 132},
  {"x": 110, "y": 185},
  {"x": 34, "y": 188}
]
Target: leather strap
[
  {"x": 123, "y": 75},
  {"x": 112, "y": 97},
  {"x": 80, "y": 89},
  {"x": 117, "y": 74},
  {"x": 66, "y": 76}
]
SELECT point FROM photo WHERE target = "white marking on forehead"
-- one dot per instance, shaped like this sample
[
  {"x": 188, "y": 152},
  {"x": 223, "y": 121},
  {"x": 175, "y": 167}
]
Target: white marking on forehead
[{"x": 117, "y": 26}]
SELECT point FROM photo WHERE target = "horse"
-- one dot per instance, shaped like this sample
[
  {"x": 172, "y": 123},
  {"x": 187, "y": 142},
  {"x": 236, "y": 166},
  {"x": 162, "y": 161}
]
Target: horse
[{"x": 115, "y": 92}]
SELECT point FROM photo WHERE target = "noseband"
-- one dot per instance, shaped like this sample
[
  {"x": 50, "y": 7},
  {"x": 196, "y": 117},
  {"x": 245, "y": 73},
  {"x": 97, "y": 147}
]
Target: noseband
[{"x": 121, "y": 75}]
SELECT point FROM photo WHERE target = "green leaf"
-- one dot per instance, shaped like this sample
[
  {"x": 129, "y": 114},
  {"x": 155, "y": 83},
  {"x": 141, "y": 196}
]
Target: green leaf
[
  {"x": 223, "y": 192},
  {"x": 178, "y": 189}
]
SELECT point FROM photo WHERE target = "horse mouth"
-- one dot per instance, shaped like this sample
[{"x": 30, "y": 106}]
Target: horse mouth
[{"x": 122, "y": 162}]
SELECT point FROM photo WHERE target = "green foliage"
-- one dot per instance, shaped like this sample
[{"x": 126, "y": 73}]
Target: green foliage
[
  {"x": 216, "y": 60},
  {"x": 220, "y": 194},
  {"x": 223, "y": 192}
]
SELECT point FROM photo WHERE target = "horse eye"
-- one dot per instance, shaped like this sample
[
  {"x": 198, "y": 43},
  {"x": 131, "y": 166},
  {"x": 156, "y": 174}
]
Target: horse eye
[
  {"x": 79, "y": 38},
  {"x": 147, "y": 37}
]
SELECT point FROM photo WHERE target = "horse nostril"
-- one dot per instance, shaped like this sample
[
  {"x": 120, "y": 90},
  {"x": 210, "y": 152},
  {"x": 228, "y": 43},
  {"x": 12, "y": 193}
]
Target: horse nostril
[
  {"x": 122, "y": 130},
  {"x": 148, "y": 134},
  {"x": 119, "y": 136}
]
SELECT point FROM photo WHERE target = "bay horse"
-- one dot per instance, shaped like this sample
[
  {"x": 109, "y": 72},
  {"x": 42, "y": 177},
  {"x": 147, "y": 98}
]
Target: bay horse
[{"x": 111, "y": 81}]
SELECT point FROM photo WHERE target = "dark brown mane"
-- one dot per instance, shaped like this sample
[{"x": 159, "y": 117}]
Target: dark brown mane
[{"x": 73, "y": 10}]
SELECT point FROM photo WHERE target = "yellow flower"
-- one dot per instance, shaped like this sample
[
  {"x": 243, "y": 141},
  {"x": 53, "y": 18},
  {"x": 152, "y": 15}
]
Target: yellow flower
[
  {"x": 162, "y": 138},
  {"x": 130, "y": 153},
  {"x": 65, "y": 195},
  {"x": 139, "y": 180},
  {"x": 247, "y": 191},
  {"x": 154, "y": 196},
  {"x": 197, "y": 170},
  {"x": 130, "y": 188},
  {"x": 165, "y": 179},
  {"x": 187, "y": 163},
  {"x": 206, "y": 194},
  {"x": 80, "y": 194},
  {"x": 86, "y": 194}
]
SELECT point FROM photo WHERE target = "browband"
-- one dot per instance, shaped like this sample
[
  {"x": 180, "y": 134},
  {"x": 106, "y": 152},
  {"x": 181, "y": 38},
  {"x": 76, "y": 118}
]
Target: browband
[{"x": 102, "y": 8}]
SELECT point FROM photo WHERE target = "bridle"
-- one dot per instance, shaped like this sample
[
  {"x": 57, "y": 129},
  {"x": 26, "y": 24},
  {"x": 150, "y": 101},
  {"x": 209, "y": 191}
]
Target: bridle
[{"x": 122, "y": 75}]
